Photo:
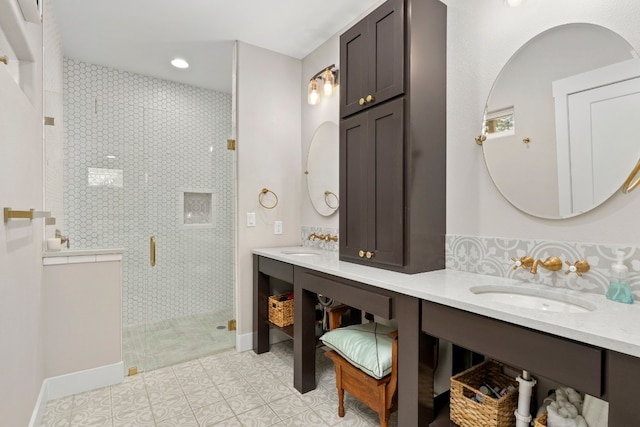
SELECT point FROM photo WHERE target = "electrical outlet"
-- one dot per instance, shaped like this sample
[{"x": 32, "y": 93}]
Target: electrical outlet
[
  {"x": 277, "y": 227},
  {"x": 251, "y": 219}
]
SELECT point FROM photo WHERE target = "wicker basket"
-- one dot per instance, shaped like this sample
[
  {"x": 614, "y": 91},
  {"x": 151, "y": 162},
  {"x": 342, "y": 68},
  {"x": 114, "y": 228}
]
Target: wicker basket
[
  {"x": 280, "y": 312},
  {"x": 541, "y": 421},
  {"x": 491, "y": 412}
]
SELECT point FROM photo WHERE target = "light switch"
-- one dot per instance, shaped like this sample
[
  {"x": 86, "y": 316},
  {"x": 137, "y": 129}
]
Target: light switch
[
  {"x": 277, "y": 227},
  {"x": 251, "y": 219}
]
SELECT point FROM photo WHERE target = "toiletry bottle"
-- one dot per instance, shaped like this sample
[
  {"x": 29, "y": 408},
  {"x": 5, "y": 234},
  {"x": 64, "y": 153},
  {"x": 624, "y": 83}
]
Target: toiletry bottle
[{"x": 619, "y": 289}]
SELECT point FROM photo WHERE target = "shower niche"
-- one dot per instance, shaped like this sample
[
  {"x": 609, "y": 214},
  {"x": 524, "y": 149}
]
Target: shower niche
[{"x": 196, "y": 209}]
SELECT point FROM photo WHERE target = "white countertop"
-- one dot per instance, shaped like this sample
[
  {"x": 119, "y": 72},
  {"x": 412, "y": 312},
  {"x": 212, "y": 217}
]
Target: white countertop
[
  {"x": 82, "y": 252},
  {"x": 81, "y": 256},
  {"x": 611, "y": 325}
]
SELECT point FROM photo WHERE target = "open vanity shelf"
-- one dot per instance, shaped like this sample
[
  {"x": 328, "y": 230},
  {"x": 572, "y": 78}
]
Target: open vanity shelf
[{"x": 596, "y": 359}]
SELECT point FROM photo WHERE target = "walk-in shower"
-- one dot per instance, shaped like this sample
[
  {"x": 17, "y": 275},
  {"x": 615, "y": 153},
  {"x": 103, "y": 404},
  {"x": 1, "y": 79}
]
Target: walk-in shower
[{"x": 146, "y": 168}]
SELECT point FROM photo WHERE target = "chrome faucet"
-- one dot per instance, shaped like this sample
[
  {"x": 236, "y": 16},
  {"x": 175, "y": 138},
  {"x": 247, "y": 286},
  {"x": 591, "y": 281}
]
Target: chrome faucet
[
  {"x": 552, "y": 263},
  {"x": 63, "y": 239}
]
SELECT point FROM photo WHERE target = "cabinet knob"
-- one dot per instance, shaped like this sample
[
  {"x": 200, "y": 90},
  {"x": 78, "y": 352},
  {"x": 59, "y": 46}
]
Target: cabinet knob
[
  {"x": 370, "y": 98},
  {"x": 362, "y": 101},
  {"x": 369, "y": 255},
  {"x": 361, "y": 254}
]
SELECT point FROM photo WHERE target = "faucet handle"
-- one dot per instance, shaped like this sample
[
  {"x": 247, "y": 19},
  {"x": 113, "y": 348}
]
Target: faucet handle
[
  {"x": 63, "y": 239},
  {"x": 524, "y": 262},
  {"x": 578, "y": 267}
]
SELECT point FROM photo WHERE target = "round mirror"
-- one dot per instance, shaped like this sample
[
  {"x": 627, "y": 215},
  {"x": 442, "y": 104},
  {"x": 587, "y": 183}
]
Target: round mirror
[
  {"x": 323, "y": 169},
  {"x": 560, "y": 129}
]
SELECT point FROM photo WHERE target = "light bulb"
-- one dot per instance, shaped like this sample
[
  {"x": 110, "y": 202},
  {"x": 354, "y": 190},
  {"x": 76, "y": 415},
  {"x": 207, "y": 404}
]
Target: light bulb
[
  {"x": 179, "y": 63},
  {"x": 329, "y": 83},
  {"x": 314, "y": 95},
  {"x": 514, "y": 3}
]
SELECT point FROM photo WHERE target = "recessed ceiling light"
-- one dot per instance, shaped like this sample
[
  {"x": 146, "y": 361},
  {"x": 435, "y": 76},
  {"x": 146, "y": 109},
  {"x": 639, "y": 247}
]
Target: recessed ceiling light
[
  {"x": 111, "y": 156},
  {"x": 180, "y": 63}
]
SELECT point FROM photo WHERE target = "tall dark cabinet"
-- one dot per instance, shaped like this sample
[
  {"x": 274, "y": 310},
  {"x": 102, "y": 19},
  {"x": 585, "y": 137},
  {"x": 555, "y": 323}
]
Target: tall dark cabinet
[{"x": 393, "y": 137}]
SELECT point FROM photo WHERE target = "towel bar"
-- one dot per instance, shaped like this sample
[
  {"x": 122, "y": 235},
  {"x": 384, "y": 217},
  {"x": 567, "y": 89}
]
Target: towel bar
[{"x": 30, "y": 214}]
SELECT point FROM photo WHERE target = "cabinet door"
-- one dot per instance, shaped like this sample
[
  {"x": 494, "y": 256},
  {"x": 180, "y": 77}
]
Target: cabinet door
[
  {"x": 386, "y": 52},
  {"x": 354, "y": 72},
  {"x": 353, "y": 186},
  {"x": 372, "y": 59},
  {"x": 386, "y": 183},
  {"x": 371, "y": 185}
]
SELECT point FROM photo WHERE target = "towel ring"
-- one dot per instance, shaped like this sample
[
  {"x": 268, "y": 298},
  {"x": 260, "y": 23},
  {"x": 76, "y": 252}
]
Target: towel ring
[
  {"x": 326, "y": 199},
  {"x": 628, "y": 187},
  {"x": 262, "y": 193}
]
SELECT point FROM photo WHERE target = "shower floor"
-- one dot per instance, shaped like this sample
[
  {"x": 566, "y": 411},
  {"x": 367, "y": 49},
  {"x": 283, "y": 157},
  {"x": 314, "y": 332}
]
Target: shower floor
[{"x": 168, "y": 342}]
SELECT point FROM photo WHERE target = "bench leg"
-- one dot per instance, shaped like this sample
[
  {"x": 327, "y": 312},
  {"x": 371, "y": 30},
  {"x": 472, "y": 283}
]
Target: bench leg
[
  {"x": 340, "y": 390},
  {"x": 383, "y": 412}
]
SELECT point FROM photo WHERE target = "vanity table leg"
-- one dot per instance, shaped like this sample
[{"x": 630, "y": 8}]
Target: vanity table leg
[
  {"x": 304, "y": 339},
  {"x": 622, "y": 379},
  {"x": 260, "y": 309},
  {"x": 415, "y": 366}
]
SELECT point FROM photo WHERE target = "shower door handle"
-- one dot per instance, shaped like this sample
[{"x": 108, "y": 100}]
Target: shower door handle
[{"x": 152, "y": 251}]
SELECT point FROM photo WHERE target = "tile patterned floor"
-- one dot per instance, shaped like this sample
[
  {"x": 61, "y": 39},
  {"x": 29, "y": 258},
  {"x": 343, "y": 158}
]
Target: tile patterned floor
[
  {"x": 175, "y": 341},
  {"x": 225, "y": 389}
]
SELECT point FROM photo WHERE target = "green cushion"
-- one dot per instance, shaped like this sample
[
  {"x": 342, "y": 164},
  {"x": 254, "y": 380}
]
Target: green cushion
[{"x": 365, "y": 346}]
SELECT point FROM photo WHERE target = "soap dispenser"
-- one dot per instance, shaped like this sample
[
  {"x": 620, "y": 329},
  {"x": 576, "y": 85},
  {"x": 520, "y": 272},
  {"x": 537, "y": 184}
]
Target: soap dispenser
[{"x": 619, "y": 289}]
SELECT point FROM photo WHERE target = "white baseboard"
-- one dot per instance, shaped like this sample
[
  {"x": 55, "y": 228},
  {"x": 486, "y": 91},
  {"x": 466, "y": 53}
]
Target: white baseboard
[
  {"x": 73, "y": 383},
  {"x": 81, "y": 381},
  {"x": 245, "y": 342},
  {"x": 38, "y": 410}
]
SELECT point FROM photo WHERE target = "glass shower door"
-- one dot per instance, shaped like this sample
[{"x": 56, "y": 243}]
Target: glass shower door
[
  {"x": 188, "y": 196},
  {"x": 157, "y": 173},
  {"x": 133, "y": 172}
]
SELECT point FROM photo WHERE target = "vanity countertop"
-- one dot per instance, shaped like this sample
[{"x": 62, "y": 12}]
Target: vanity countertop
[{"x": 611, "y": 325}]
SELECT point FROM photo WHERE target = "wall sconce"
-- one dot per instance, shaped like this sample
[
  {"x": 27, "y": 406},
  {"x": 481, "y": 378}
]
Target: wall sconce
[{"x": 328, "y": 79}]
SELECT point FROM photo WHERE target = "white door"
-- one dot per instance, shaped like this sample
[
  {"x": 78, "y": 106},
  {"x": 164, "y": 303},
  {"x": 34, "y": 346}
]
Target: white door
[
  {"x": 597, "y": 118},
  {"x": 597, "y": 128}
]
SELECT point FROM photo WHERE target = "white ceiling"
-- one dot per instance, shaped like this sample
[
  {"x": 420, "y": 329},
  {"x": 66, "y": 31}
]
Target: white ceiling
[{"x": 142, "y": 36}]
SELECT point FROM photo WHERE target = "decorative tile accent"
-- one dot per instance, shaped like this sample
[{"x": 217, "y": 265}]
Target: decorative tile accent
[
  {"x": 306, "y": 230},
  {"x": 140, "y": 400},
  {"x": 197, "y": 208},
  {"x": 164, "y": 137},
  {"x": 262, "y": 416},
  {"x": 493, "y": 256}
]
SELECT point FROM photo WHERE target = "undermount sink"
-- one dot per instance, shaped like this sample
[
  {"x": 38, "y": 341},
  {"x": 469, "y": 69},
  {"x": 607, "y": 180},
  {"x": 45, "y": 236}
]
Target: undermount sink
[
  {"x": 302, "y": 252},
  {"x": 535, "y": 299}
]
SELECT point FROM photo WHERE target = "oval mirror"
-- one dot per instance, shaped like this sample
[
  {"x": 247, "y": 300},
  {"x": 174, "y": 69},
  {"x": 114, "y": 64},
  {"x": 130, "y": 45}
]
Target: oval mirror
[
  {"x": 560, "y": 128},
  {"x": 323, "y": 169}
]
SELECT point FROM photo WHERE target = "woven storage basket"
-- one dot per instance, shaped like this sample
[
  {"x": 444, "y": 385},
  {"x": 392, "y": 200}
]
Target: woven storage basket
[
  {"x": 280, "y": 312},
  {"x": 491, "y": 412},
  {"x": 541, "y": 421}
]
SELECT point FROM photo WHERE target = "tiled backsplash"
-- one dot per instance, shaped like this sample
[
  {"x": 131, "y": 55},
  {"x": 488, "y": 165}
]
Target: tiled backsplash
[
  {"x": 492, "y": 256},
  {"x": 305, "y": 232}
]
